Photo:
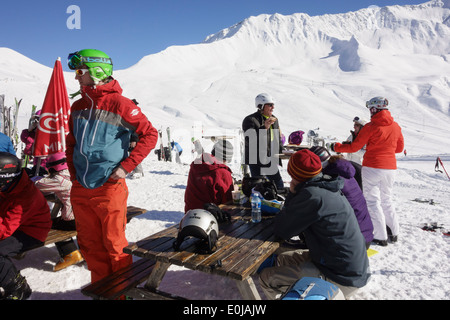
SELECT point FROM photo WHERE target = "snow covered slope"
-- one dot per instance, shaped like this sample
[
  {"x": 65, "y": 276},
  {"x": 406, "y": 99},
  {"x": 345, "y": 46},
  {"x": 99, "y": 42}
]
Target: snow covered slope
[{"x": 321, "y": 70}]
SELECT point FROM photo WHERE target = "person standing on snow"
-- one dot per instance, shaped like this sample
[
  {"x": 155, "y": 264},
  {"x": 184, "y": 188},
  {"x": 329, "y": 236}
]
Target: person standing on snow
[
  {"x": 262, "y": 129},
  {"x": 177, "y": 149},
  {"x": 383, "y": 138},
  {"x": 101, "y": 124},
  {"x": 358, "y": 124}
]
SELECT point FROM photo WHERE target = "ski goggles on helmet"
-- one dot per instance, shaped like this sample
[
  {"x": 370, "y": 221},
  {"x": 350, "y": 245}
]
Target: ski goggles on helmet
[{"x": 75, "y": 60}]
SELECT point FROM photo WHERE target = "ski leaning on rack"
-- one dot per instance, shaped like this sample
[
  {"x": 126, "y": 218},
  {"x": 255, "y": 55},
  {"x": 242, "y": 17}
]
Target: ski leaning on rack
[
  {"x": 169, "y": 154},
  {"x": 9, "y": 116},
  {"x": 162, "y": 154},
  {"x": 15, "y": 129}
]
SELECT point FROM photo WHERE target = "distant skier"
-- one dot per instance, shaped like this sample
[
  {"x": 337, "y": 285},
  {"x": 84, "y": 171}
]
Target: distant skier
[{"x": 178, "y": 150}]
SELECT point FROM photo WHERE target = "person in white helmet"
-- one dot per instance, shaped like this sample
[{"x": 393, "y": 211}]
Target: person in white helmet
[
  {"x": 358, "y": 124},
  {"x": 383, "y": 138},
  {"x": 262, "y": 129}
]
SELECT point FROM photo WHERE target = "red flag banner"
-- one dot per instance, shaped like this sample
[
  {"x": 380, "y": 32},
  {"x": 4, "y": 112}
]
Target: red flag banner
[{"x": 53, "y": 122}]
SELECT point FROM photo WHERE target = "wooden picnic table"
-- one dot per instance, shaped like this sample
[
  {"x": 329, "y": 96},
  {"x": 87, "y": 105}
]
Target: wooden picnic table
[{"x": 241, "y": 248}]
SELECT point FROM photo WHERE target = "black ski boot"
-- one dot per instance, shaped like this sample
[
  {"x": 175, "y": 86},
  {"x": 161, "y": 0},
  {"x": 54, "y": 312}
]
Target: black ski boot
[{"x": 18, "y": 289}]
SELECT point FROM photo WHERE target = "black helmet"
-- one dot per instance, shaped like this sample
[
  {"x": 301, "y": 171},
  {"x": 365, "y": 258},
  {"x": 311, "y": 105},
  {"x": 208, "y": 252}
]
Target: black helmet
[
  {"x": 322, "y": 152},
  {"x": 10, "y": 168},
  {"x": 248, "y": 183}
]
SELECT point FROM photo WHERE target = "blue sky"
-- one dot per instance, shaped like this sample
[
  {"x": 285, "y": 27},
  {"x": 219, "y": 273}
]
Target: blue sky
[{"x": 128, "y": 30}]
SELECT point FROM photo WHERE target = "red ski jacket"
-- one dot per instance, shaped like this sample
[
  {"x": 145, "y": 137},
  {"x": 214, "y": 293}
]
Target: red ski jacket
[
  {"x": 208, "y": 182},
  {"x": 24, "y": 208},
  {"x": 383, "y": 139}
]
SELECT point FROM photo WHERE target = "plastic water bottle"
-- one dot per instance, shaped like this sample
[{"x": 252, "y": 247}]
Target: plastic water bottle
[{"x": 256, "y": 207}]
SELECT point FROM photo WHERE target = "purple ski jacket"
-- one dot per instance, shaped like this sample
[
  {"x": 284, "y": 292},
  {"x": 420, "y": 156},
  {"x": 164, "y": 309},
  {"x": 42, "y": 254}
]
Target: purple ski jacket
[{"x": 354, "y": 195}]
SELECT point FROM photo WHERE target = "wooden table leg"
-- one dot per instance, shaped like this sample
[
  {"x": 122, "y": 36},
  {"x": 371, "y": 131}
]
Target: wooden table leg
[
  {"x": 248, "y": 290},
  {"x": 157, "y": 275}
]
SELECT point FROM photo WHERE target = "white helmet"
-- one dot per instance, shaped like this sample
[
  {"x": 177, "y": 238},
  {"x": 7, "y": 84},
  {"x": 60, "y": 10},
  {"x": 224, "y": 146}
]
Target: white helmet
[
  {"x": 362, "y": 122},
  {"x": 378, "y": 102},
  {"x": 200, "y": 224},
  {"x": 262, "y": 99}
]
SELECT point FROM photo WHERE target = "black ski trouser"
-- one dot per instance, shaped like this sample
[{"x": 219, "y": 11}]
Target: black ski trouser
[{"x": 10, "y": 247}]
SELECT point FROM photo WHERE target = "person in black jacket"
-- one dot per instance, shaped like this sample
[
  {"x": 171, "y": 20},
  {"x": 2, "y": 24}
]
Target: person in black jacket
[
  {"x": 316, "y": 207},
  {"x": 262, "y": 129}
]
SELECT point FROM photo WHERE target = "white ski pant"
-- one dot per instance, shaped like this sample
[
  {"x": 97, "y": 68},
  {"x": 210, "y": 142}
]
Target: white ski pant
[{"x": 377, "y": 189}]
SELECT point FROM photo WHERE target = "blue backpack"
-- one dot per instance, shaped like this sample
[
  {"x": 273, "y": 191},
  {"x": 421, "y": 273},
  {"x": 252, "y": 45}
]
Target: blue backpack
[{"x": 312, "y": 289}]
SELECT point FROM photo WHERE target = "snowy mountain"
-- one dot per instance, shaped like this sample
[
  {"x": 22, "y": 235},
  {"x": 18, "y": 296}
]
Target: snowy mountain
[{"x": 321, "y": 70}]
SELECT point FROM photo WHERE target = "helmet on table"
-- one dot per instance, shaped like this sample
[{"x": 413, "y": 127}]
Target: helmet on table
[
  {"x": 10, "y": 168},
  {"x": 99, "y": 63},
  {"x": 201, "y": 224}
]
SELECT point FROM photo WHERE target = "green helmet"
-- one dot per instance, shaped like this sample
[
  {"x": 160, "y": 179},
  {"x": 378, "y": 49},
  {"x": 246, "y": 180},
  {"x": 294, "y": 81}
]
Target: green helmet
[{"x": 99, "y": 63}]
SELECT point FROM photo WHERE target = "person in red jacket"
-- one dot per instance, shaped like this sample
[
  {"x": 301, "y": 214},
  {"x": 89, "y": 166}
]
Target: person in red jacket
[
  {"x": 383, "y": 139},
  {"x": 24, "y": 224},
  {"x": 210, "y": 179},
  {"x": 101, "y": 124}
]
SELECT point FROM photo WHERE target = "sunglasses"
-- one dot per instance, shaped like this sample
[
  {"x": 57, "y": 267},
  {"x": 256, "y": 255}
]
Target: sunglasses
[{"x": 81, "y": 72}]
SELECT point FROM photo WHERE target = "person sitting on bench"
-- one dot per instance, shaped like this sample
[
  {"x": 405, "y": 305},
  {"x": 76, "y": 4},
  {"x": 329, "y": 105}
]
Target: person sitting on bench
[
  {"x": 24, "y": 224},
  {"x": 58, "y": 182}
]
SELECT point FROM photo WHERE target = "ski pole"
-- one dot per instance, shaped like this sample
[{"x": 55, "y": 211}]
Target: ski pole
[{"x": 442, "y": 165}]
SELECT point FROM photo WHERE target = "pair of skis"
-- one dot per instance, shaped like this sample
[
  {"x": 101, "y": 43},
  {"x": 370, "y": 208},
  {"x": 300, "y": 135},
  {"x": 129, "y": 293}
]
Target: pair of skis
[
  {"x": 161, "y": 146},
  {"x": 434, "y": 226},
  {"x": 9, "y": 120}
]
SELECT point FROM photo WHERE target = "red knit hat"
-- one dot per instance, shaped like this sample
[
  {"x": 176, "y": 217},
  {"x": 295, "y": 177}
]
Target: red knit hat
[{"x": 304, "y": 165}]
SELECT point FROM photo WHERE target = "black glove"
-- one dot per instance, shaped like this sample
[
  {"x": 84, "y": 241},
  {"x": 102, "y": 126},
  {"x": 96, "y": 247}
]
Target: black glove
[{"x": 219, "y": 214}]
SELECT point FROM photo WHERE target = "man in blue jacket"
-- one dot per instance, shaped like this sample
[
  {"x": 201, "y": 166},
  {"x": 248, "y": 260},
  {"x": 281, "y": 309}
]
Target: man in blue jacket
[
  {"x": 316, "y": 207},
  {"x": 6, "y": 144}
]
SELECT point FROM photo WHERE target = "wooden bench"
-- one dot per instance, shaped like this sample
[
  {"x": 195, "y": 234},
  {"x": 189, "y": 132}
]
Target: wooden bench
[
  {"x": 118, "y": 283},
  {"x": 61, "y": 235}
]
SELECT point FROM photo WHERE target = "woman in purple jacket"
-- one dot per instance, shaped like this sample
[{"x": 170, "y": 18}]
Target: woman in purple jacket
[{"x": 338, "y": 166}]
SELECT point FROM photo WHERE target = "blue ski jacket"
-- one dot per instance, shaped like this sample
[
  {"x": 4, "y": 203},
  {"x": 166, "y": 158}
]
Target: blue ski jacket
[{"x": 101, "y": 124}]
